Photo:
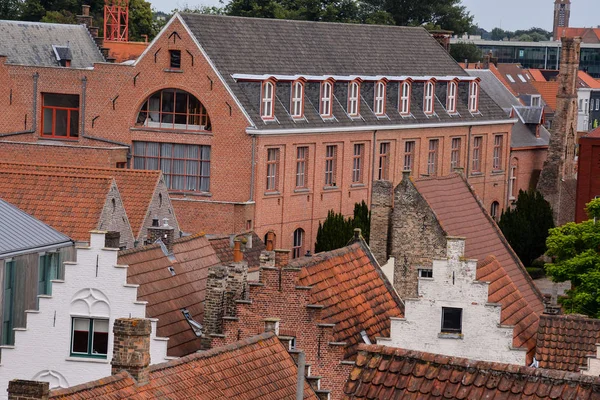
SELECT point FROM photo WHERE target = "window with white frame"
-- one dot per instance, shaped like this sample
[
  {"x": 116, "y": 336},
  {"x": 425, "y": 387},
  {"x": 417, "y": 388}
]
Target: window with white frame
[
  {"x": 497, "y": 154},
  {"x": 89, "y": 337},
  {"x": 432, "y": 157},
  {"x": 353, "y": 99},
  {"x": 451, "y": 97},
  {"x": 297, "y": 107},
  {"x": 512, "y": 180},
  {"x": 267, "y": 103},
  {"x": 428, "y": 97},
  {"x": 409, "y": 155},
  {"x": 405, "y": 93},
  {"x": 357, "y": 163},
  {"x": 474, "y": 97},
  {"x": 301, "y": 165},
  {"x": 536, "y": 101},
  {"x": 379, "y": 105},
  {"x": 455, "y": 153},
  {"x": 326, "y": 99}
]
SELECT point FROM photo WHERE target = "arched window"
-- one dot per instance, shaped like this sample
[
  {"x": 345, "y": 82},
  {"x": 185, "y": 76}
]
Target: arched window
[
  {"x": 474, "y": 97},
  {"x": 451, "y": 97},
  {"x": 353, "y": 99},
  {"x": 298, "y": 249},
  {"x": 405, "y": 93},
  {"x": 379, "y": 104},
  {"x": 428, "y": 97},
  {"x": 326, "y": 99},
  {"x": 267, "y": 100},
  {"x": 494, "y": 210},
  {"x": 174, "y": 109}
]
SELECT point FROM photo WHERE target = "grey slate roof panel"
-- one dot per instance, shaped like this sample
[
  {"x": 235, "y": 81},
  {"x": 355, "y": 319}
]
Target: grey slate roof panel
[
  {"x": 523, "y": 135},
  {"x": 530, "y": 115},
  {"x": 30, "y": 43},
  {"x": 20, "y": 231},
  {"x": 494, "y": 88},
  {"x": 255, "y": 46}
]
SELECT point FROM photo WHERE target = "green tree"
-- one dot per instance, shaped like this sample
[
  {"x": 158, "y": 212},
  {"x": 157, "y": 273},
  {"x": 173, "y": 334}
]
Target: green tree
[
  {"x": 141, "y": 20},
  {"x": 526, "y": 227},
  {"x": 32, "y": 10},
  {"x": 10, "y": 9},
  {"x": 309, "y": 10},
  {"x": 336, "y": 231},
  {"x": 575, "y": 253},
  {"x": 462, "y": 51}
]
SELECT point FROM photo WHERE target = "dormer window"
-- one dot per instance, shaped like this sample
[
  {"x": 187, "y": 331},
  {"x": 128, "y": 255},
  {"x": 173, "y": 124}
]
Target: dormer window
[
  {"x": 379, "y": 105},
  {"x": 267, "y": 102},
  {"x": 474, "y": 97},
  {"x": 326, "y": 99},
  {"x": 405, "y": 93},
  {"x": 451, "y": 97},
  {"x": 353, "y": 99},
  {"x": 297, "y": 106},
  {"x": 428, "y": 98}
]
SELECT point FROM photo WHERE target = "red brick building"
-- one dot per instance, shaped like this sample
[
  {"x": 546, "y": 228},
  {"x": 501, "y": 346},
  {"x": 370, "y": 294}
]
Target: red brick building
[
  {"x": 588, "y": 173},
  {"x": 264, "y": 134}
]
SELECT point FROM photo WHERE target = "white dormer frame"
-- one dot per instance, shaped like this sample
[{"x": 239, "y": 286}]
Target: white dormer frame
[
  {"x": 451, "y": 97},
  {"x": 354, "y": 98},
  {"x": 326, "y": 99},
  {"x": 297, "y": 99},
  {"x": 474, "y": 96},
  {"x": 429, "y": 97},
  {"x": 267, "y": 100},
  {"x": 405, "y": 93},
  {"x": 379, "y": 98}
]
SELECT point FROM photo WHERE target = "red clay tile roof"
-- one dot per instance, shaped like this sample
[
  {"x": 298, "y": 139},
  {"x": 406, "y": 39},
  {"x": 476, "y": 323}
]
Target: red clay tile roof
[
  {"x": 136, "y": 187},
  {"x": 389, "y": 373},
  {"x": 593, "y": 134},
  {"x": 460, "y": 213},
  {"x": 222, "y": 244},
  {"x": 70, "y": 204},
  {"x": 518, "y": 86},
  {"x": 515, "y": 310},
  {"x": 536, "y": 74},
  {"x": 588, "y": 80},
  {"x": 167, "y": 294},
  {"x": 356, "y": 295},
  {"x": 564, "y": 341},
  {"x": 257, "y": 368},
  {"x": 502, "y": 78},
  {"x": 548, "y": 90}
]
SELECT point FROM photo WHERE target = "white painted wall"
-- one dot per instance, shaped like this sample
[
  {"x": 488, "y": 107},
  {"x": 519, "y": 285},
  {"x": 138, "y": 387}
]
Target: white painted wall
[
  {"x": 94, "y": 286},
  {"x": 593, "y": 367},
  {"x": 583, "y": 113},
  {"x": 454, "y": 285}
]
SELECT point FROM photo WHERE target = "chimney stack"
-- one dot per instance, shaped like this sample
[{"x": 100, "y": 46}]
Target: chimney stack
[
  {"x": 85, "y": 18},
  {"x": 238, "y": 256},
  {"x": 165, "y": 233},
  {"x": 270, "y": 241},
  {"x": 132, "y": 348},
  {"x": 282, "y": 258},
  {"x": 112, "y": 240},
  {"x": 28, "y": 390}
]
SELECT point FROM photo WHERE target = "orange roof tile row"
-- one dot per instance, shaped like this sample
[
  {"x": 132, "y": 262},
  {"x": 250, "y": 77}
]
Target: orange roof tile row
[
  {"x": 258, "y": 368},
  {"x": 389, "y": 373},
  {"x": 515, "y": 310},
  {"x": 352, "y": 288},
  {"x": 548, "y": 91},
  {"x": 588, "y": 80}
]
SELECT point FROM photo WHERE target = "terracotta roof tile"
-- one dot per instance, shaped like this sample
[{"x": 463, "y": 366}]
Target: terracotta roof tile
[
  {"x": 222, "y": 244},
  {"x": 167, "y": 294},
  {"x": 136, "y": 187},
  {"x": 70, "y": 204},
  {"x": 258, "y": 368},
  {"x": 515, "y": 310},
  {"x": 536, "y": 74},
  {"x": 422, "y": 375},
  {"x": 564, "y": 341},
  {"x": 349, "y": 283},
  {"x": 460, "y": 214},
  {"x": 548, "y": 90},
  {"x": 588, "y": 80}
]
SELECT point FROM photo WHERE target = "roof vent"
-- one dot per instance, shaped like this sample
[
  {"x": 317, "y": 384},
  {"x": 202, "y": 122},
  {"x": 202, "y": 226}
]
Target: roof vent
[
  {"x": 171, "y": 270},
  {"x": 365, "y": 337},
  {"x": 195, "y": 325},
  {"x": 63, "y": 55}
]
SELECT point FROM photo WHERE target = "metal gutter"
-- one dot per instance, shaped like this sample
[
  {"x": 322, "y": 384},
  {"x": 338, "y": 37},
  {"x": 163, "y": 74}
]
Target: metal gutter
[{"x": 36, "y": 249}]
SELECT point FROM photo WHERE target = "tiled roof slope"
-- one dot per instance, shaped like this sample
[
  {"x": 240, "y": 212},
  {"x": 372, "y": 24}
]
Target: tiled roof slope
[
  {"x": 238, "y": 45},
  {"x": 389, "y": 373},
  {"x": 355, "y": 294},
  {"x": 495, "y": 88},
  {"x": 222, "y": 244},
  {"x": 548, "y": 90},
  {"x": 515, "y": 310},
  {"x": 588, "y": 80},
  {"x": 167, "y": 294},
  {"x": 258, "y": 368},
  {"x": 30, "y": 43},
  {"x": 136, "y": 186},
  {"x": 21, "y": 232},
  {"x": 564, "y": 341},
  {"x": 460, "y": 214},
  {"x": 70, "y": 204}
]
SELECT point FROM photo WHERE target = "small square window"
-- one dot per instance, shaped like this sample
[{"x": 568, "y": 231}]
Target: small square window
[
  {"x": 451, "y": 320},
  {"x": 175, "y": 59},
  {"x": 425, "y": 273}
]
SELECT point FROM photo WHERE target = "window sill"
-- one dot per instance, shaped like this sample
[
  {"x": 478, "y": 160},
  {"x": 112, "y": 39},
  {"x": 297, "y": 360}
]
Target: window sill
[
  {"x": 183, "y": 193},
  {"x": 450, "y": 335},
  {"x": 331, "y": 188},
  {"x": 88, "y": 360},
  {"x": 476, "y": 173},
  {"x": 498, "y": 172},
  {"x": 59, "y": 138},
  {"x": 269, "y": 194},
  {"x": 302, "y": 190},
  {"x": 164, "y": 130},
  {"x": 177, "y": 71},
  {"x": 357, "y": 186}
]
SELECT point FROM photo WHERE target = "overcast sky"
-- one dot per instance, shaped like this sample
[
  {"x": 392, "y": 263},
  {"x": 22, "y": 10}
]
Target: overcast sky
[{"x": 508, "y": 14}]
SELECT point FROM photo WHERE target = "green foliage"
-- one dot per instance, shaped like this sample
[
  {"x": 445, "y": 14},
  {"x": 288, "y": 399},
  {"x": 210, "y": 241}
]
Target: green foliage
[
  {"x": 336, "y": 231},
  {"x": 526, "y": 227},
  {"x": 462, "y": 51},
  {"x": 535, "y": 272},
  {"x": 529, "y": 35},
  {"x": 59, "y": 17},
  {"x": 10, "y": 9},
  {"x": 141, "y": 20},
  {"x": 574, "y": 249},
  {"x": 309, "y": 10}
]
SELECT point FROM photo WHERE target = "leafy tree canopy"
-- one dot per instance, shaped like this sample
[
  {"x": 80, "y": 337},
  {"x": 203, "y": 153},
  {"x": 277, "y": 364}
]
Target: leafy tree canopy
[
  {"x": 532, "y": 34},
  {"x": 10, "y": 9},
  {"x": 462, "y": 51},
  {"x": 575, "y": 252}
]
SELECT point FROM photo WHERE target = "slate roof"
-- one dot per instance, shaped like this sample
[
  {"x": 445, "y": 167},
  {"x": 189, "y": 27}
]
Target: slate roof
[
  {"x": 137, "y": 187},
  {"x": 390, "y": 373},
  {"x": 22, "y": 233},
  {"x": 30, "y": 43},
  {"x": 564, "y": 341},
  {"x": 524, "y": 135},
  {"x": 167, "y": 294},
  {"x": 255, "y": 46},
  {"x": 257, "y": 368},
  {"x": 223, "y": 246},
  {"x": 461, "y": 214},
  {"x": 515, "y": 310},
  {"x": 70, "y": 204},
  {"x": 355, "y": 294},
  {"x": 496, "y": 89},
  {"x": 530, "y": 115}
]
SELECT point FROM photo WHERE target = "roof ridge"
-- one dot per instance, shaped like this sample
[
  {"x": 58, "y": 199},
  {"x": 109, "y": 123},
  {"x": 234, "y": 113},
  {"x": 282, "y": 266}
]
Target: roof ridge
[
  {"x": 152, "y": 246},
  {"x": 39, "y": 173},
  {"x": 121, "y": 375},
  {"x": 75, "y": 167},
  {"x": 306, "y": 262}
]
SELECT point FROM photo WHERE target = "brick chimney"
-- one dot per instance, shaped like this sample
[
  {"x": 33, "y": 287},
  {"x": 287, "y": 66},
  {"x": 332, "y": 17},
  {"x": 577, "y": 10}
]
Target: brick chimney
[
  {"x": 28, "y": 390},
  {"x": 85, "y": 18},
  {"x": 165, "y": 233},
  {"x": 132, "y": 348},
  {"x": 238, "y": 256},
  {"x": 270, "y": 244},
  {"x": 381, "y": 213},
  {"x": 282, "y": 258}
]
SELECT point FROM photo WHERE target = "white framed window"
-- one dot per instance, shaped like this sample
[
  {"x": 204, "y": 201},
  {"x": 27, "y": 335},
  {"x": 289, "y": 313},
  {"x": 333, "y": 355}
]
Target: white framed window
[
  {"x": 425, "y": 273},
  {"x": 379, "y": 104},
  {"x": 298, "y": 248},
  {"x": 326, "y": 97},
  {"x": 432, "y": 157},
  {"x": 297, "y": 106},
  {"x": 353, "y": 99},
  {"x": 405, "y": 93},
  {"x": 301, "y": 166},
  {"x": 536, "y": 101},
  {"x": 428, "y": 97},
  {"x": 512, "y": 180},
  {"x": 89, "y": 337},
  {"x": 357, "y": 163},
  {"x": 267, "y": 102},
  {"x": 474, "y": 97},
  {"x": 451, "y": 97}
]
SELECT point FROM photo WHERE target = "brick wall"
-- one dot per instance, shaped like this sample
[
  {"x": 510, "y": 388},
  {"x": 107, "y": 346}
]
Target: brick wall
[
  {"x": 132, "y": 348},
  {"x": 529, "y": 163},
  {"x": 28, "y": 390},
  {"x": 588, "y": 175},
  {"x": 381, "y": 212}
]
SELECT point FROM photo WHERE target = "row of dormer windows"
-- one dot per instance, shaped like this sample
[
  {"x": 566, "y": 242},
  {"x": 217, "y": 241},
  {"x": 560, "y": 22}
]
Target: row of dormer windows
[{"x": 379, "y": 99}]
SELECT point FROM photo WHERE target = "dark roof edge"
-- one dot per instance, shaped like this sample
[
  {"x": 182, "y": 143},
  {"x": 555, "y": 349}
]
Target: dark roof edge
[{"x": 27, "y": 250}]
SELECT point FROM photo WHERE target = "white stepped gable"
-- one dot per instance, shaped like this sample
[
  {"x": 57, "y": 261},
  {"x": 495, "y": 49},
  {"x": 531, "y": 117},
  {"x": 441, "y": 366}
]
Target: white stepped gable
[
  {"x": 473, "y": 332},
  {"x": 94, "y": 287}
]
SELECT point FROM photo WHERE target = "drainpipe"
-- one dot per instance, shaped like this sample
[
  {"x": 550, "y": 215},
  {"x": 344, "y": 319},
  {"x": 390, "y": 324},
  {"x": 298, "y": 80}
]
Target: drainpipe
[
  {"x": 468, "y": 166},
  {"x": 34, "y": 111},
  {"x": 300, "y": 381},
  {"x": 82, "y": 116}
]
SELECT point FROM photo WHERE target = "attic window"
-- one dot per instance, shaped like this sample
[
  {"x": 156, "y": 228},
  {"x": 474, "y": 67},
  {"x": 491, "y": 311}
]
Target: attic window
[
  {"x": 379, "y": 105},
  {"x": 353, "y": 99},
  {"x": 451, "y": 320},
  {"x": 196, "y": 326},
  {"x": 405, "y": 90},
  {"x": 474, "y": 97},
  {"x": 267, "y": 100},
  {"x": 428, "y": 98},
  {"x": 522, "y": 78},
  {"x": 535, "y": 101},
  {"x": 297, "y": 106},
  {"x": 172, "y": 271},
  {"x": 510, "y": 78},
  {"x": 175, "y": 56},
  {"x": 451, "y": 98},
  {"x": 326, "y": 99},
  {"x": 63, "y": 55}
]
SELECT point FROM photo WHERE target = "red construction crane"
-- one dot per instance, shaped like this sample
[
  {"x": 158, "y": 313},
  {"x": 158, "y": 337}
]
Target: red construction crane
[{"x": 116, "y": 20}]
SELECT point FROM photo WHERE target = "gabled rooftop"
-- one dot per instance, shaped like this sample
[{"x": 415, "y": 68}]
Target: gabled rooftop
[{"x": 223, "y": 246}]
